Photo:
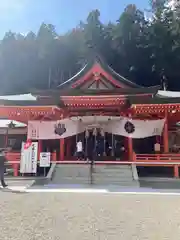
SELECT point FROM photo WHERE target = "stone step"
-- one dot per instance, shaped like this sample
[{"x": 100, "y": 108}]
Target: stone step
[
  {"x": 73, "y": 175},
  {"x": 73, "y": 166},
  {"x": 73, "y": 169},
  {"x": 120, "y": 175},
  {"x": 71, "y": 180},
  {"x": 113, "y": 173},
  {"x": 112, "y": 180},
  {"x": 102, "y": 176},
  {"x": 112, "y": 167},
  {"x": 72, "y": 183},
  {"x": 124, "y": 184},
  {"x": 70, "y": 177}
]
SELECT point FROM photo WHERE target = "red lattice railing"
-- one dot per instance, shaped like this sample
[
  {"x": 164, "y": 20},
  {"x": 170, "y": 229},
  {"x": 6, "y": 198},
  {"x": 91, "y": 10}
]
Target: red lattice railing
[{"x": 166, "y": 157}]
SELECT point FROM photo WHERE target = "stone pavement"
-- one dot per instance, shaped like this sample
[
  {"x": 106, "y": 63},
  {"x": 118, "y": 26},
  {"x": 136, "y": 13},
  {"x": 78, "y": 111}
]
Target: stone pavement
[
  {"x": 18, "y": 184},
  {"x": 81, "y": 216}
]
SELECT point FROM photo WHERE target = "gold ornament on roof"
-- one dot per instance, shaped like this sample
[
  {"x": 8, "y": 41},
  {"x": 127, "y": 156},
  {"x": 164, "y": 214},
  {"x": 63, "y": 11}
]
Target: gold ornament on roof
[{"x": 96, "y": 74}]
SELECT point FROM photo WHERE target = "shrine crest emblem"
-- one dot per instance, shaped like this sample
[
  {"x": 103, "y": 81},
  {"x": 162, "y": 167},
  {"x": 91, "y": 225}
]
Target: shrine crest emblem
[
  {"x": 59, "y": 129},
  {"x": 129, "y": 127}
]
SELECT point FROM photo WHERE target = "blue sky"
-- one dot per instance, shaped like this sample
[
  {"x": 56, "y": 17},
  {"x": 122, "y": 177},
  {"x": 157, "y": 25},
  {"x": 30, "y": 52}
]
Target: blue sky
[{"x": 25, "y": 15}]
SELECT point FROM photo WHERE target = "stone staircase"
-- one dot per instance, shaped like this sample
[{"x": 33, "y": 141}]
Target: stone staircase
[
  {"x": 71, "y": 174},
  {"x": 120, "y": 175}
]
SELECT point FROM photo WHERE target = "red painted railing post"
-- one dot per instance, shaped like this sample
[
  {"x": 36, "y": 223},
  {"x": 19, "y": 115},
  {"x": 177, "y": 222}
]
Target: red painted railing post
[
  {"x": 176, "y": 171},
  {"x": 134, "y": 156},
  {"x": 15, "y": 168},
  {"x": 165, "y": 135},
  {"x": 39, "y": 148},
  {"x": 62, "y": 149}
]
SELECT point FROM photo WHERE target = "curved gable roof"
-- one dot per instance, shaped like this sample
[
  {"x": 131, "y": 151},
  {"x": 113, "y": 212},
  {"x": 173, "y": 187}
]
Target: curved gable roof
[{"x": 97, "y": 64}]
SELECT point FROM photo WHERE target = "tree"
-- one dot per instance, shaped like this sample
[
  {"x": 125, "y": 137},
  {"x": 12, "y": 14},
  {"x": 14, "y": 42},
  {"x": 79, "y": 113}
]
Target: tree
[{"x": 146, "y": 51}]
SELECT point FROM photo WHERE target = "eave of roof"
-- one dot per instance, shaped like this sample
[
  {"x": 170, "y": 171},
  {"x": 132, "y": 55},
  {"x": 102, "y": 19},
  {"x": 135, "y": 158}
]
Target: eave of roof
[
  {"x": 82, "y": 92},
  {"x": 154, "y": 100},
  {"x": 19, "y": 97},
  {"x": 168, "y": 94},
  {"x": 49, "y": 102},
  {"x": 105, "y": 66},
  {"x": 4, "y": 123}
]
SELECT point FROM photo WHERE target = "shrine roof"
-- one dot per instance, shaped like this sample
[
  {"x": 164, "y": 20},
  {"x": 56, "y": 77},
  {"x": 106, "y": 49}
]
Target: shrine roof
[
  {"x": 19, "y": 97},
  {"x": 88, "y": 92},
  {"x": 24, "y": 103},
  {"x": 154, "y": 100},
  {"x": 62, "y": 98},
  {"x": 4, "y": 123},
  {"x": 168, "y": 94},
  {"x": 91, "y": 66}
]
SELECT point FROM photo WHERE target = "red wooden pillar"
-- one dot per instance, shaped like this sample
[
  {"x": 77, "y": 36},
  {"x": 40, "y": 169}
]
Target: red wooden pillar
[
  {"x": 158, "y": 139},
  {"x": 130, "y": 145},
  {"x": 62, "y": 149},
  {"x": 15, "y": 168},
  {"x": 6, "y": 140},
  {"x": 130, "y": 149},
  {"x": 68, "y": 147},
  {"x": 176, "y": 171},
  {"x": 39, "y": 148},
  {"x": 165, "y": 136}
]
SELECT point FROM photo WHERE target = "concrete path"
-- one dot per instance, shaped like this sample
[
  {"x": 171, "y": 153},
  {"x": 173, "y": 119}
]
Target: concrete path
[{"x": 25, "y": 186}]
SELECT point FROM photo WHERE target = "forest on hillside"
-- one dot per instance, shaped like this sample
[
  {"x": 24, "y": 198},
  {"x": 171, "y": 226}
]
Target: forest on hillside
[{"x": 146, "y": 51}]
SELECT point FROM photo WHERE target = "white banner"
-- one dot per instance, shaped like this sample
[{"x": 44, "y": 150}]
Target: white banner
[
  {"x": 116, "y": 125},
  {"x": 45, "y": 159},
  {"x": 135, "y": 128},
  {"x": 54, "y": 129},
  {"x": 29, "y": 157}
]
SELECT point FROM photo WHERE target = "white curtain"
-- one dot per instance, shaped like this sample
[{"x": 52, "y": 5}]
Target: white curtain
[
  {"x": 49, "y": 129},
  {"x": 135, "y": 128},
  {"x": 115, "y": 125}
]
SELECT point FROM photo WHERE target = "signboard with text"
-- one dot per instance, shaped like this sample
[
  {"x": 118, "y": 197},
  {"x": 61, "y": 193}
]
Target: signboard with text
[
  {"x": 29, "y": 156},
  {"x": 45, "y": 159}
]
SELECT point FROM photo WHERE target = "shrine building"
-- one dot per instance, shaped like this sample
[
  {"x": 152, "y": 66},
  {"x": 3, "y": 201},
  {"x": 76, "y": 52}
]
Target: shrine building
[{"x": 98, "y": 94}]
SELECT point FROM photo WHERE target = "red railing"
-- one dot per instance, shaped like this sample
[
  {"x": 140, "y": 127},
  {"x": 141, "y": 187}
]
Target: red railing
[
  {"x": 170, "y": 159},
  {"x": 14, "y": 157},
  {"x": 157, "y": 158}
]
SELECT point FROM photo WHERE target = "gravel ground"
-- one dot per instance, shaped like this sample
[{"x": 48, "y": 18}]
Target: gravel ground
[{"x": 79, "y": 216}]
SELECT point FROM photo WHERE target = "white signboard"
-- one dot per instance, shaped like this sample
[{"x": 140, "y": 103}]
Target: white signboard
[
  {"x": 45, "y": 159},
  {"x": 29, "y": 158}
]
